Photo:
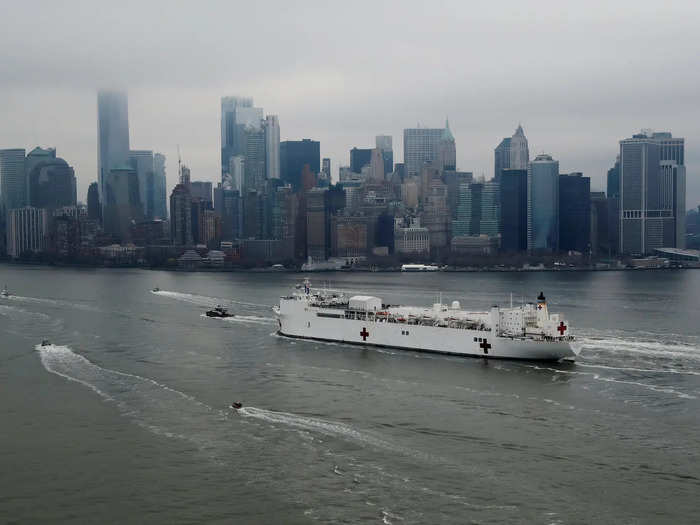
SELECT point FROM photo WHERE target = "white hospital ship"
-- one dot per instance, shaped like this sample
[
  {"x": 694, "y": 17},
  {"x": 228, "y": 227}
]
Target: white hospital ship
[{"x": 527, "y": 331}]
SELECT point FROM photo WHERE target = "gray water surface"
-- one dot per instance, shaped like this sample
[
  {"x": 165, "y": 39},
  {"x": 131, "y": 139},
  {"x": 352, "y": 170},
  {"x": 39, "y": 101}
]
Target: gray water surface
[{"x": 125, "y": 419}]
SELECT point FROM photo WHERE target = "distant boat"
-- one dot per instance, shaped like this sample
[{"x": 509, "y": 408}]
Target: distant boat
[
  {"x": 419, "y": 268},
  {"x": 156, "y": 289},
  {"x": 46, "y": 342},
  {"x": 5, "y": 292}
]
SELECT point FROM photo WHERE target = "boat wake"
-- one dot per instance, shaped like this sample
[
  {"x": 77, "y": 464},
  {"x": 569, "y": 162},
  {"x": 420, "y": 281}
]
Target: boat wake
[
  {"x": 252, "y": 319},
  {"x": 203, "y": 300}
]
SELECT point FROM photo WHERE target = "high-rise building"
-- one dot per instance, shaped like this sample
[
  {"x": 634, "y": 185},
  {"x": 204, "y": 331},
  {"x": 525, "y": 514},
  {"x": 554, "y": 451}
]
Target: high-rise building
[
  {"x": 254, "y": 169},
  {"x": 384, "y": 144},
  {"x": 94, "y": 208},
  {"x": 575, "y": 213},
  {"x": 542, "y": 204},
  {"x": 376, "y": 165},
  {"x": 231, "y": 138},
  {"x": 501, "y": 156},
  {"x": 272, "y": 146},
  {"x": 490, "y": 222},
  {"x": 181, "y": 216},
  {"x": 141, "y": 161},
  {"x": 122, "y": 205},
  {"x": 160, "y": 207},
  {"x": 447, "y": 154},
  {"x": 202, "y": 190},
  {"x": 50, "y": 180},
  {"x": 317, "y": 224},
  {"x": 652, "y": 193},
  {"x": 326, "y": 168},
  {"x": 359, "y": 158},
  {"x": 27, "y": 230},
  {"x": 519, "y": 151},
  {"x": 599, "y": 224},
  {"x": 468, "y": 214},
  {"x": 421, "y": 147},
  {"x": 613, "y": 203},
  {"x": 113, "y": 135},
  {"x": 294, "y": 154},
  {"x": 513, "y": 210},
  {"x": 453, "y": 180},
  {"x": 12, "y": 179}
]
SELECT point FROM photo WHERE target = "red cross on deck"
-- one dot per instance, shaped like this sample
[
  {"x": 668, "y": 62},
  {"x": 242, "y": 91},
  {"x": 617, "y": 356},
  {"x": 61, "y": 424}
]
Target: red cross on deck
[
  {"x": 364, "y": 333},
  {"x": 562, "y": 327}
]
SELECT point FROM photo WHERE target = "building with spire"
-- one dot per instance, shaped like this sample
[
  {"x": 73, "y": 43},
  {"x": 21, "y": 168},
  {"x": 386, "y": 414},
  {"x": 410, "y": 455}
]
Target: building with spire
[
  {"x": 519, "y": 152},
  {"x": 447, "y": 153}
]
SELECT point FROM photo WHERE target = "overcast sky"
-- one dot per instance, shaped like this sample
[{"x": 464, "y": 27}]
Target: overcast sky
[{"x": 579, "y": 76}]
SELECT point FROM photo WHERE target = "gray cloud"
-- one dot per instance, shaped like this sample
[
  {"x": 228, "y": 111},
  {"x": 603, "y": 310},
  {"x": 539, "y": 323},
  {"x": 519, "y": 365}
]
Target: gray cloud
[{"x": 578, "y": 76}]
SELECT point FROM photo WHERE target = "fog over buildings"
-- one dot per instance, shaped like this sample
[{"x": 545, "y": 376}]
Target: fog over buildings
[{"x": 578, "y": 76}]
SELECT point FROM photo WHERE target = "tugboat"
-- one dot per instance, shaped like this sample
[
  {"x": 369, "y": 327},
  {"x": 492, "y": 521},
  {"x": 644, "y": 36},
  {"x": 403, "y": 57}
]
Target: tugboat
[
  {"x": 5, "y": 292},
  {"x": 156, "y": 289},
  {"x": 46, "y": 342},
  {"x": 219, "y": 311}
]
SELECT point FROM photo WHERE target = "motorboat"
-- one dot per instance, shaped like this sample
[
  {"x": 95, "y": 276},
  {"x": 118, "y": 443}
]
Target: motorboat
[
  {"x": 218, "y": 311},
  {"x": 156, "y": 289},
  {"x": 46, "y": 342},
  {"x": 236, "y": 405},
  {"x": 4, "y": 292}
]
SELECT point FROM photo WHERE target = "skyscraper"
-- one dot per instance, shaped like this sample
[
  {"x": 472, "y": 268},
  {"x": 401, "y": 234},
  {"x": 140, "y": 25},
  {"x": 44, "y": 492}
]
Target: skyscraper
[
  {"x": 294, "y": 154},
  {"x": 513, "y": 210},
  {"x": 93, "y": 203},
  {"x": 27, "y": 230},
  {"x": 420, "y": 147},
  {"x": 113, "y": 135},
  {"x": 359, "y": 158},
  {"x": 519, "y": 152},
  {"x": 326, "y": 168},
  {"x": 613, "y": 204},
  {"x": 501, "y": 156},
  {"x": 542, "y": 204},
  {"x": 181, "y": 216},
  {"x": 122, "y": 204},
  {"x": 652, "y": 192},
  {"x": 272, "y": 146},
  {"x": 575, "y": 213},
  {"x": 231, "y": 139},
  {"x": 141, "y": 162},
  {"x": 255, "y": 155},
  {"x": 384, "y": 144},
  {"x": 50, "y": 180},
  {"x": 202, "y": 190},
  {"x": 12, "y": 179},
  {"x": 160, "y": 207},
  {"x": 447, "y": 153}
]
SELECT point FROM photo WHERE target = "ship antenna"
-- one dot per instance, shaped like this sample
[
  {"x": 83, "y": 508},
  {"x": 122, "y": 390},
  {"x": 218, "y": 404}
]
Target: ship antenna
[{"x": 511, "y": 299}]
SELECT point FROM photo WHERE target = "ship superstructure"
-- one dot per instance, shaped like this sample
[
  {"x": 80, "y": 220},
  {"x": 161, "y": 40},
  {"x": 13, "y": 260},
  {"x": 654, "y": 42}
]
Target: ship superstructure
[{"x": 526, "y": 331}]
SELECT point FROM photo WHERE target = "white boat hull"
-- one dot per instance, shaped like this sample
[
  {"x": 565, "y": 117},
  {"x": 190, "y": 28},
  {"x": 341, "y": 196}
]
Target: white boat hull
[{"x": 305, "y": 323}]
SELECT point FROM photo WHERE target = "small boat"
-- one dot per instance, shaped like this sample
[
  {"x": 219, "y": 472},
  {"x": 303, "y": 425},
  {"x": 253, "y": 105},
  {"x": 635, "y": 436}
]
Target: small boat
[
  {"x": 46, "y": 342},
  {"x": 236, "y": 405},
  {"x": 156, "y": 289},
  {"x": 5, "y": 292},
  {"x": 219, "y": 311}
]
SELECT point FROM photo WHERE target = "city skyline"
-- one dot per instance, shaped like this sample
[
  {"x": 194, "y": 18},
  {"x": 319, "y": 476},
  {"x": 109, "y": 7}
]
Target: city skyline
[{"x": 593, "y": 95}]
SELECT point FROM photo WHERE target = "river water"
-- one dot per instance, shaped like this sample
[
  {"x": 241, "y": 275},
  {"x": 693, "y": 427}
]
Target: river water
[{"x": 124, "y": 418}]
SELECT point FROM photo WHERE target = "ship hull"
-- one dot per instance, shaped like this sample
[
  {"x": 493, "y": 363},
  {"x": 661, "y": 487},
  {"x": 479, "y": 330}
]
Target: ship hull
[{"x": 317, "y": 324}]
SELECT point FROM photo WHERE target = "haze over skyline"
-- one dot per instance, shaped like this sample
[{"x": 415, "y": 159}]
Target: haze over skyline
[{"x": 578, "y": 78}]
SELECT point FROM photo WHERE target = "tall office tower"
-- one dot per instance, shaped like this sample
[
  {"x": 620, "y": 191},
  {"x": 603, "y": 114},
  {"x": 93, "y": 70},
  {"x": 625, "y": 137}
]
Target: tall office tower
[
  {"x": 236, "y": 171},
  {"x": 490, "y": 222},
  {"x": 93, "y": 203},
  {"x": 447, "y": 153},
  {"x": 652, "y": 192},
  {"x": 468, "y": 215},
  {"x": 599, "y": 224},
  {"x": 50, "y": 180},
  {"x": 181, "y": 215},
  {"x": 513, "y": 210},
  {"x": 202, "y": 190},
  {"x": 501, "y": 155},
  {"x": 113, "y": 135},
  {"x": 436, "y": 216},
  {"x": 575, "y": 213},
  {"x": 453, "y": 180},
  {"x": 254, "y": 173},
  {"x": 542, "y": 204},
  {"x": 376, "y": 165},
  {"x": 272, "y": 146},
  {"x": 326, "y": 168},
  {"x": 252, "y": 214},
  {"x": 27, "y": 230},
  {"x": 185, "y": 175},
  {"x": 317, "y": 224},
  {"x": 519, "y": 152},
  {"x": 613, "y": 203},
  {"x": 359, "y": 158},
  {"x": 231, "y": 140},
  {"x": 12, "y": 179},
  {"x": 141, "y": 161},
  {"x": 160, "y": 207},
  {"x": 294, "y": 154},
  {"x": 420, "y": 147},
  {"x": 122, "y": 204},
  {"x": 384, "y": 144}
]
